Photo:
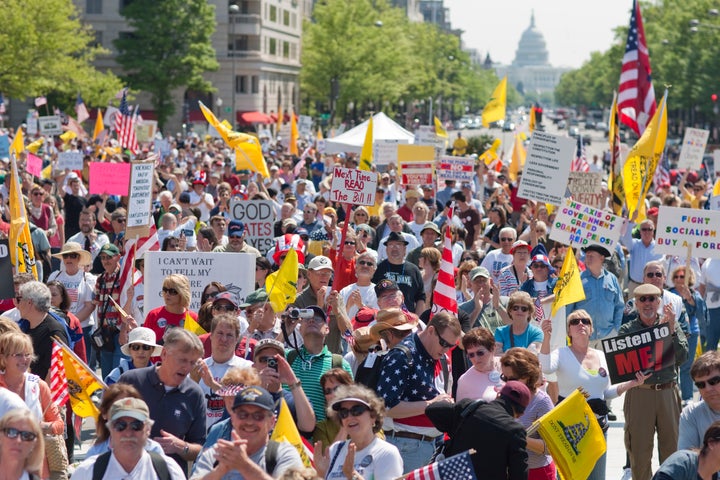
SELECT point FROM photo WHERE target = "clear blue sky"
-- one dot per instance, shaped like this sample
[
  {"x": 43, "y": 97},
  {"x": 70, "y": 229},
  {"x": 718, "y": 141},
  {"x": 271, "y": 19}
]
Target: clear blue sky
[{"x": 572, "y": 28}]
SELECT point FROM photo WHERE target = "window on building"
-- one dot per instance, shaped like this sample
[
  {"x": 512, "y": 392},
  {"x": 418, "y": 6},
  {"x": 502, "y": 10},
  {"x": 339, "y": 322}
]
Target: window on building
[
  {"x": 286, "y": 49},
  {"x": 293, "y": 21},
  {"x": 293, "y": 51},
  {"x": 272, "y": 47},
  {"x": 255, "y": 84},
  {"x": 273, "y": 13},
  {"x": 286, "y": 18},
  {"x": 93, "y": 6},
  {"x": 241, "y": 84}
]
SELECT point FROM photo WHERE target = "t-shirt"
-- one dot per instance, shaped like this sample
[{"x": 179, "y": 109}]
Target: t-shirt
[
  {"x": 204, "y": 209},
  {"x": 159, "y": 319},
  {"x": 143, "y": 469},
  {"x": 367, "y": 294},
  {"x": 531, "y": 335},
  {"x": 42, "y": 340},
  {"x": 287, "y": 457},
  {"x": 475, "y": 384},
  {"x": 408, "y": 278},
  {"x": 215, "y": 404},
  {"x": 379, "y": 460},
  {"x": 80, "y": 288},
  {"x": 495, "y": 260},
  {"x": 470, "y": 220}
]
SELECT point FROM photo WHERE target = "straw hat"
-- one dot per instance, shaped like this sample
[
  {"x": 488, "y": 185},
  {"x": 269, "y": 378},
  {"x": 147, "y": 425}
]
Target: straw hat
[
  {"x": 74, "y": 247},
  {"x": 144, "y": 336}
]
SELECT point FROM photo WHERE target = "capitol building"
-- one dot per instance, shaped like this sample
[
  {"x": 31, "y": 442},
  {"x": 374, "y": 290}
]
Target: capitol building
[{"x": 530, "y": 71}]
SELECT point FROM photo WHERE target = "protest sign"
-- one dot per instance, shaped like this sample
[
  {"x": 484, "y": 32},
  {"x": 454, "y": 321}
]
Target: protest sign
[
  {"x": 145, "y": 130},
  {"x": 140, "y": 199},
  {"x": 680, "y": 228},
  {"x": 31, "y": 123},
  {"x": 50, "y": 125},
  {"x": 385, "y": 151},
  {"x": 586, "y": 187},
  {"x": 547, "y": 167},
  {"x": 578, "y": 225},
  {"x": 162, "y": 147},
  {"x": 4, "y": 146},
  {"x": 416, "y": 164},
  {"x": 200, "y": 268},
  {"x": 648, "y": 350},
  {"x": 304, "y": 125},
  {"x": 6, "y": 271},
  {"x": 352, "y": 186},
  {"x": 258, "y": 217},
  {"x": 693, "y": 148},
  {"x": 70, "y": 161},
  {"x": 321, "y": 146},
  {"x": 110, "y": 178},
  {"x": 33, "y": 165},
  {"x": 460, "y": 169},
  {"x": 425, "y": 135}
]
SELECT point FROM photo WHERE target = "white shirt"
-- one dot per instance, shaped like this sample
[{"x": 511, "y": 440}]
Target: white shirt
[
  {"x": 495, "y": 260},
  {"x": 380, "y": 460},
  {"x": 367, "y": 294},
  {"x": 100, "y": 240},
  {"x": 214, "y": 403},
  {"x": 143, "y": 469},
  {"x": 80, "y": 288},
  {"x": 412, "y": 240},
  {"x": 204, "y": 209}
]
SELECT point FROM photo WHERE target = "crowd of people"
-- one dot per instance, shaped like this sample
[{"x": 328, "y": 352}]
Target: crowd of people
[{"x": 378, "y": 384}]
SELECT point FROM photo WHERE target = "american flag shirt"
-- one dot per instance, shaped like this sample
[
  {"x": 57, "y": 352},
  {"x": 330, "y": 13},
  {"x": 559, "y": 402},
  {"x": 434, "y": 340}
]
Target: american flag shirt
[{"x": 402, "y": 382}]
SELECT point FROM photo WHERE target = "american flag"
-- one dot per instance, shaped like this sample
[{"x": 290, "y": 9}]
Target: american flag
[
  {"x": 125, "y": 126},
  {"x": 636, "y": 100},
  {"x": 58, "y": 381},
  {"x": 662, "y": 172},
  {"x": 135, "y": 248},
  {"x": 444, "y": 297},
  {"x": 457, "y": 467},
  {"x": 579, "y": 163},
  {"x": 81, "y": 110}
]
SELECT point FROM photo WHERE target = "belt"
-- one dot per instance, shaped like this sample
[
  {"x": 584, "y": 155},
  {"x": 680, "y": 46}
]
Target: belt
[
  {"x": 414, "y": 436},
  {"x": 657, "y": 386}
]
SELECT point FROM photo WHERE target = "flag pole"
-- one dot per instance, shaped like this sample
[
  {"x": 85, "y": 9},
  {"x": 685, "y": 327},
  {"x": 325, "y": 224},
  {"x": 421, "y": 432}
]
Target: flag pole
[{"x": 79, "y": 360}]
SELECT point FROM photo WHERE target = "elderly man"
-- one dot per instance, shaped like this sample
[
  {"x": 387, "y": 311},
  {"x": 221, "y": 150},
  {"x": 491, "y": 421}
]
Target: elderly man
[
  {"x": 249, "y": 454},
  {"x": 177, "y": 404},
  {"x": 641, "y": 251},
  {"x": 406, "y": 275},
  {"x": 697, "y": 417},
  {"x": 498, "y": 258},
  {"x": 483, "y": 307},
  {"x": 236, "y": 240},
  {"x": 129, "y": 425},
  {"x": 655, "y": 405},
  {"x": 262, "y": 321},
  {"x": 310, "y": 221},
  {"x": 397, "y": 225}
]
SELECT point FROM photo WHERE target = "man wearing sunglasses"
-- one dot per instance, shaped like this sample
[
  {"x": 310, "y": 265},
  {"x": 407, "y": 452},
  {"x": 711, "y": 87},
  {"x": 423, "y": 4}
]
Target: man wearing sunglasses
[
  {"x": 641, "y": 250},
  {"x": 129, "y": 425},
  {"x": 697, "y": 417},
  {"x": 655, "y": 405}
]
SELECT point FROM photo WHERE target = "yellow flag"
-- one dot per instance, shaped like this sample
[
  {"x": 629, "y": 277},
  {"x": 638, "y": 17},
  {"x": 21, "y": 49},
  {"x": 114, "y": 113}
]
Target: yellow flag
[
  {"x": 191, "y": 325},
  {"x": 439, "y": 130},
  {"x": 573, "y": 436},
  {"x": 491, "y": 154},
  {"x": 294, "y": 135},
  {"x": 319, "y": 134},
  {"x": 366, "y": 155},
  {"x": 716, "y": 188},
  {"x": 642, "y": 161},
  {"x": 18, "y": 143},
  {"x": 615, "y": 182},
  {"x": 532, "y": 119},
  {"x": 35, "y": 146},
  {"x": 495, "y": 108},
  {"x": 81, "y": 384},
  {"x": 569, "y": 288},
  {"x": 286, "y": 431},
  {"x": 282, "y": 285},
  {"x": 518, "y": 158},
  {"x": 67, "y": 136},
  {"x": 280, "y": 119},
  {"x": 22, "y": 252},
  {"x": 99, "y": 125}
]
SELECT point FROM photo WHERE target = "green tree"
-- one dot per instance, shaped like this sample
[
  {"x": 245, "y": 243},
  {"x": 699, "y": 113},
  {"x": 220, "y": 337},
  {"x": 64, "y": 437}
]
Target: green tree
[
  {"x": 170, "y": 47},
  {"x": 45, "y": 49}
]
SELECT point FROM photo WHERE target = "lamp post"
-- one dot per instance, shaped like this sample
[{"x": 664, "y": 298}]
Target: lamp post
[{"x": 233, "y": 10}]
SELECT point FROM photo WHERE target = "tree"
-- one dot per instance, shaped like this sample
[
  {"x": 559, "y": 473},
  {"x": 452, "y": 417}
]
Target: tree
[
  {"x": 170, "y": 47},
  {"x": 45, "y": 49}
]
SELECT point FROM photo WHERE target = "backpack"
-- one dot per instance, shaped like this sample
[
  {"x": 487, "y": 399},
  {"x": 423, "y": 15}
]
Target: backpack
[
  {"x": 337, "y": 360},
  {"x": 369, "y": 375},
  {"x": 158, "y": 462},
  {"x": 72, "y": 336}
]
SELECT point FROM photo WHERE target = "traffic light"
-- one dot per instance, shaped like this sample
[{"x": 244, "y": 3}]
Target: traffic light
[{"x": 538, "y": 114}]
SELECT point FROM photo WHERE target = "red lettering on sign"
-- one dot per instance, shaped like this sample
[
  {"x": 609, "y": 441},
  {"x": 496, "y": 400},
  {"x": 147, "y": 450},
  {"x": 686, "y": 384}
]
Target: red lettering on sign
[{"x": 627, "y": 362}]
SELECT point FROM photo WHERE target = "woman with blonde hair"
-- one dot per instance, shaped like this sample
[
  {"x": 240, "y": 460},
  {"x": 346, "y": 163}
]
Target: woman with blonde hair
[
  {"x": 176, "y": 295},
  {"x": 519, "y": 332},
  {"x": 22, "y": 449}
]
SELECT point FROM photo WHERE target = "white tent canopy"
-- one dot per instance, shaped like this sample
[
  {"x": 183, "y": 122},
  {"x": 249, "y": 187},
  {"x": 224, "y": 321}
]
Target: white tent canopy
[{"x": 352, "y": 140}]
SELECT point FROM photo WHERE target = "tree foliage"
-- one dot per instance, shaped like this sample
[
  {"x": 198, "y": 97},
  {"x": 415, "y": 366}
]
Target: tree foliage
[
  {"x": 170, "y": 47},
  {"x": 45, "y": 49}
]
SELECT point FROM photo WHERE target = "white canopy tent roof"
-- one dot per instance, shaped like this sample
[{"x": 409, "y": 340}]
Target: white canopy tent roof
[{"x": 383, "y": 129}]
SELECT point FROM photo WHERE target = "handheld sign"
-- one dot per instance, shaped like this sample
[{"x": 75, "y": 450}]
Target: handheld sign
[
  {"x": 679, "y": 228},
  {"x": 6, "y": 270},
  {"x": 416, "y": 164},
  {"x": 352, "y": 186},
  {"x": 140, "y": 199},
  {"x": 693, "y": 148},
  {"x": 547, "y": 167},
  {"x": 460, "y": 169},
  {"x": 70, "y": 161},
  {"x": 579, "y": 225},
  {"x": 649, "y": 350},
  {"x": 586, "y": 187},
  {"x": 258, "y": 217},
  {"x": 51, "y": 125},
  {"x": 385, "y": 151},
  {"x": 33, "y": 165},
  {"x": 110, "y": 178}
]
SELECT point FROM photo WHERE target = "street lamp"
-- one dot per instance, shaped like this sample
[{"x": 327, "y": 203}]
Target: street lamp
[{"x": 233, "y": 10}]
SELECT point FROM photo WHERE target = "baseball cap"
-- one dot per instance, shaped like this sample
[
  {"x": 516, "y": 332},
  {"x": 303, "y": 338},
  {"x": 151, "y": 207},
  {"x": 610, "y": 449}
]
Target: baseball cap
[
  {"x": 258, "y": 296},
  {"x": 269, "y": 343},
  {"x": 320, "y": 262},
  {"x": 256, "y": 396},
  {"x": 395, "y": 237},
  {"x": 385, "y": 285},
  {"x": 516, "y": 392},
  {"x": 430, "y": 226},
  {"x": 319, "y": 312},
  {"x": 479, "y": 272},
  {"x": 110, "y": 249},
  {"x": 235, "y": 228},
  {"x": 228, "y": 297},
  {"x": 130, "y": 407},
  {"x": 520, "y": 244}
]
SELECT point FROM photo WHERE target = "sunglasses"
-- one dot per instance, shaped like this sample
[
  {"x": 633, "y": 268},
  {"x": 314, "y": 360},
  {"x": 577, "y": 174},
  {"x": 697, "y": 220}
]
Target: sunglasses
[
  {"x": 479, "y": 353},
  {"x": 25, "y": 436},
  {"x": 521, "y": 308},
  {"x": 443, "y": 343},
  {"x": 711, "y": 381},
  {"x": 257, "y": 416},
  {"x": 538, "y": 265},
  {"x": 647, "y": 298},
  {"x": 355, "y": 411},
  {"x": 681, "y": 277},
  {"x": 507, "y": 239},
  {"x": 169, "y": 291},
  {"x": 121, "y": 425},
  {"x": 38, "y": 194},
  {"x": 223, "y": 308},
  {"x": 576, "y": 321},
  {"x": 365, "y": 263},
  {"x": 654, "y": 274},
  {"x": 71, "y": 255},
  {"x": 647, "y": 229},
  {"x": 506, "y": 379},
  {"x": 330, "y": 391},
  {"x": 349, "y": 243},
  {"x": 136, "y": 347},
  {"x": 121, "y": 220}
]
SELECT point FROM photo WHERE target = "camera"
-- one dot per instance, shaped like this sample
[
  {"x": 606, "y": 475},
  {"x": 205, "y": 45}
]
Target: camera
[
  {"x": 272, "y": 363},
  {"x": 296, "y": 313}
]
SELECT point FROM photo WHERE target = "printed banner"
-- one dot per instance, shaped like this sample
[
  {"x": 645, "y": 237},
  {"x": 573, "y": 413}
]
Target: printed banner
[
  {"x": 648, "y": 350},
  {"x": 110, "y": 178},
  {"x": 460, "y": 169},
  {"x": 356, "y": 187},
  {"x": 416, "y": 164},
  {"x": 258, "y": 217},
  {"x": 578, "y": 225},
  {"x": 681, "y": 228},
  {"x": 547, "y": 166}
]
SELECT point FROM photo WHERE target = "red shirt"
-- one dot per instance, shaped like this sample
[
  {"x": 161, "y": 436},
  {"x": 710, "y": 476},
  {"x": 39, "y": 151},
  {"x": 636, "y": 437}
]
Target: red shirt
[
  {"x": 159, "y": 319},
  {"x": 344, "y": 271}
]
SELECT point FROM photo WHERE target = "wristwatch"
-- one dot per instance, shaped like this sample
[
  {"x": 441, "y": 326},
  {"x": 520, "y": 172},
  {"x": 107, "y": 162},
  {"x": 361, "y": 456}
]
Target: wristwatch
[{"x": 295, "y": 385}]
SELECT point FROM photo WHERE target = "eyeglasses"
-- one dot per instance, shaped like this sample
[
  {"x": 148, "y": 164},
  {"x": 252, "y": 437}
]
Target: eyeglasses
[
  {"x": 374, "y": 348},
  {"x": 330, "y": 390},
  {"x": 521, "y": 308},
  {"x": 443, "y": 343},
  {"x": 256, "y": 416},
  {"x": 355, "y": 411},
  {"x": 681, "y": 277},
  {"x": 71, "y": 255},
  {"x": 711, "y": 381},
  {"x": 169, "y": 291},
  {"x": 506, "y": 379},
  {"x": 223, "y": 307},
  {"x": 538, "y": 265},
  {"x": 507, "y": 239},
  {"x": 38, "y": 194},
  {"x": 22, "y": 355},
  {"x": 647, "y": 298},
  {"x": 576, "y": 321},
  {"x": 360, "y": 214},
  {"x": 136, "y": 347},
  {"x": 121, "y": 220},
  {"x": 647, "y": 229},
  {"x": 654, "y": 274},
  {"x": 365, "y": 263},
  {"x": 479, "y": 353},
  {"x": 25, "y": 436},
  {"x": 121, "y": 425}
]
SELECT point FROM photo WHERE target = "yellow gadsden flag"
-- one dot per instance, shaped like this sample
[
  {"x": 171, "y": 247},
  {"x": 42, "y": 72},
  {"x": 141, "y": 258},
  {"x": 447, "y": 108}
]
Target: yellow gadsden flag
[
  {"x": 491, "y": 154},
  {"x": 518, "y": 158},
  {"x": 495, "y": 108},
  {"x": 615, "y": 182},
  {"x": 282, "y": 285},
  {"x": 439, "y": 130},
  {"x": 531, "y": 125},
  {"x": 191, "y": 325},
  {"x": 18, "y": 143},
  {"x": 642, "y": 161},
  {"x": 366, "y": 154},
  {"x": 573, "y": 436},
  {"x": 569, "y": 288},
  {"x": 22, "y": 252},
  {"x": 81, "y": 384},
  {"x": 286, "y": 431}
]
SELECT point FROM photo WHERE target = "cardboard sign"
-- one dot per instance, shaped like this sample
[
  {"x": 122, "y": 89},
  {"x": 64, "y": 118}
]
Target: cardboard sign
[
  {"x": 385, "y": 152},
  {"x": 51, "y": 125},
  {"x": 578, "y": 225},
  {"x": 586, "y": 187},
  {"x": 680, "y": 228},
  {"x": 6, "y": 270},
  {"x": 70, "y": 161},
  {"x": 648, "y": 350},
  {"x": 693, "y": 148},
  {"x": 258, "y": 217},
  {"x": 201, "y": 268},
  {"x": 547, "y": 167},
  {"x": 460, "y": 169},
  {"x": 353, "y": 186},
  {"x": 33, "y": 165},
  {"x": 162, "y": 147},
  {"x": 110, "y": 178},
  {"x": 140, "y": 199}
]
